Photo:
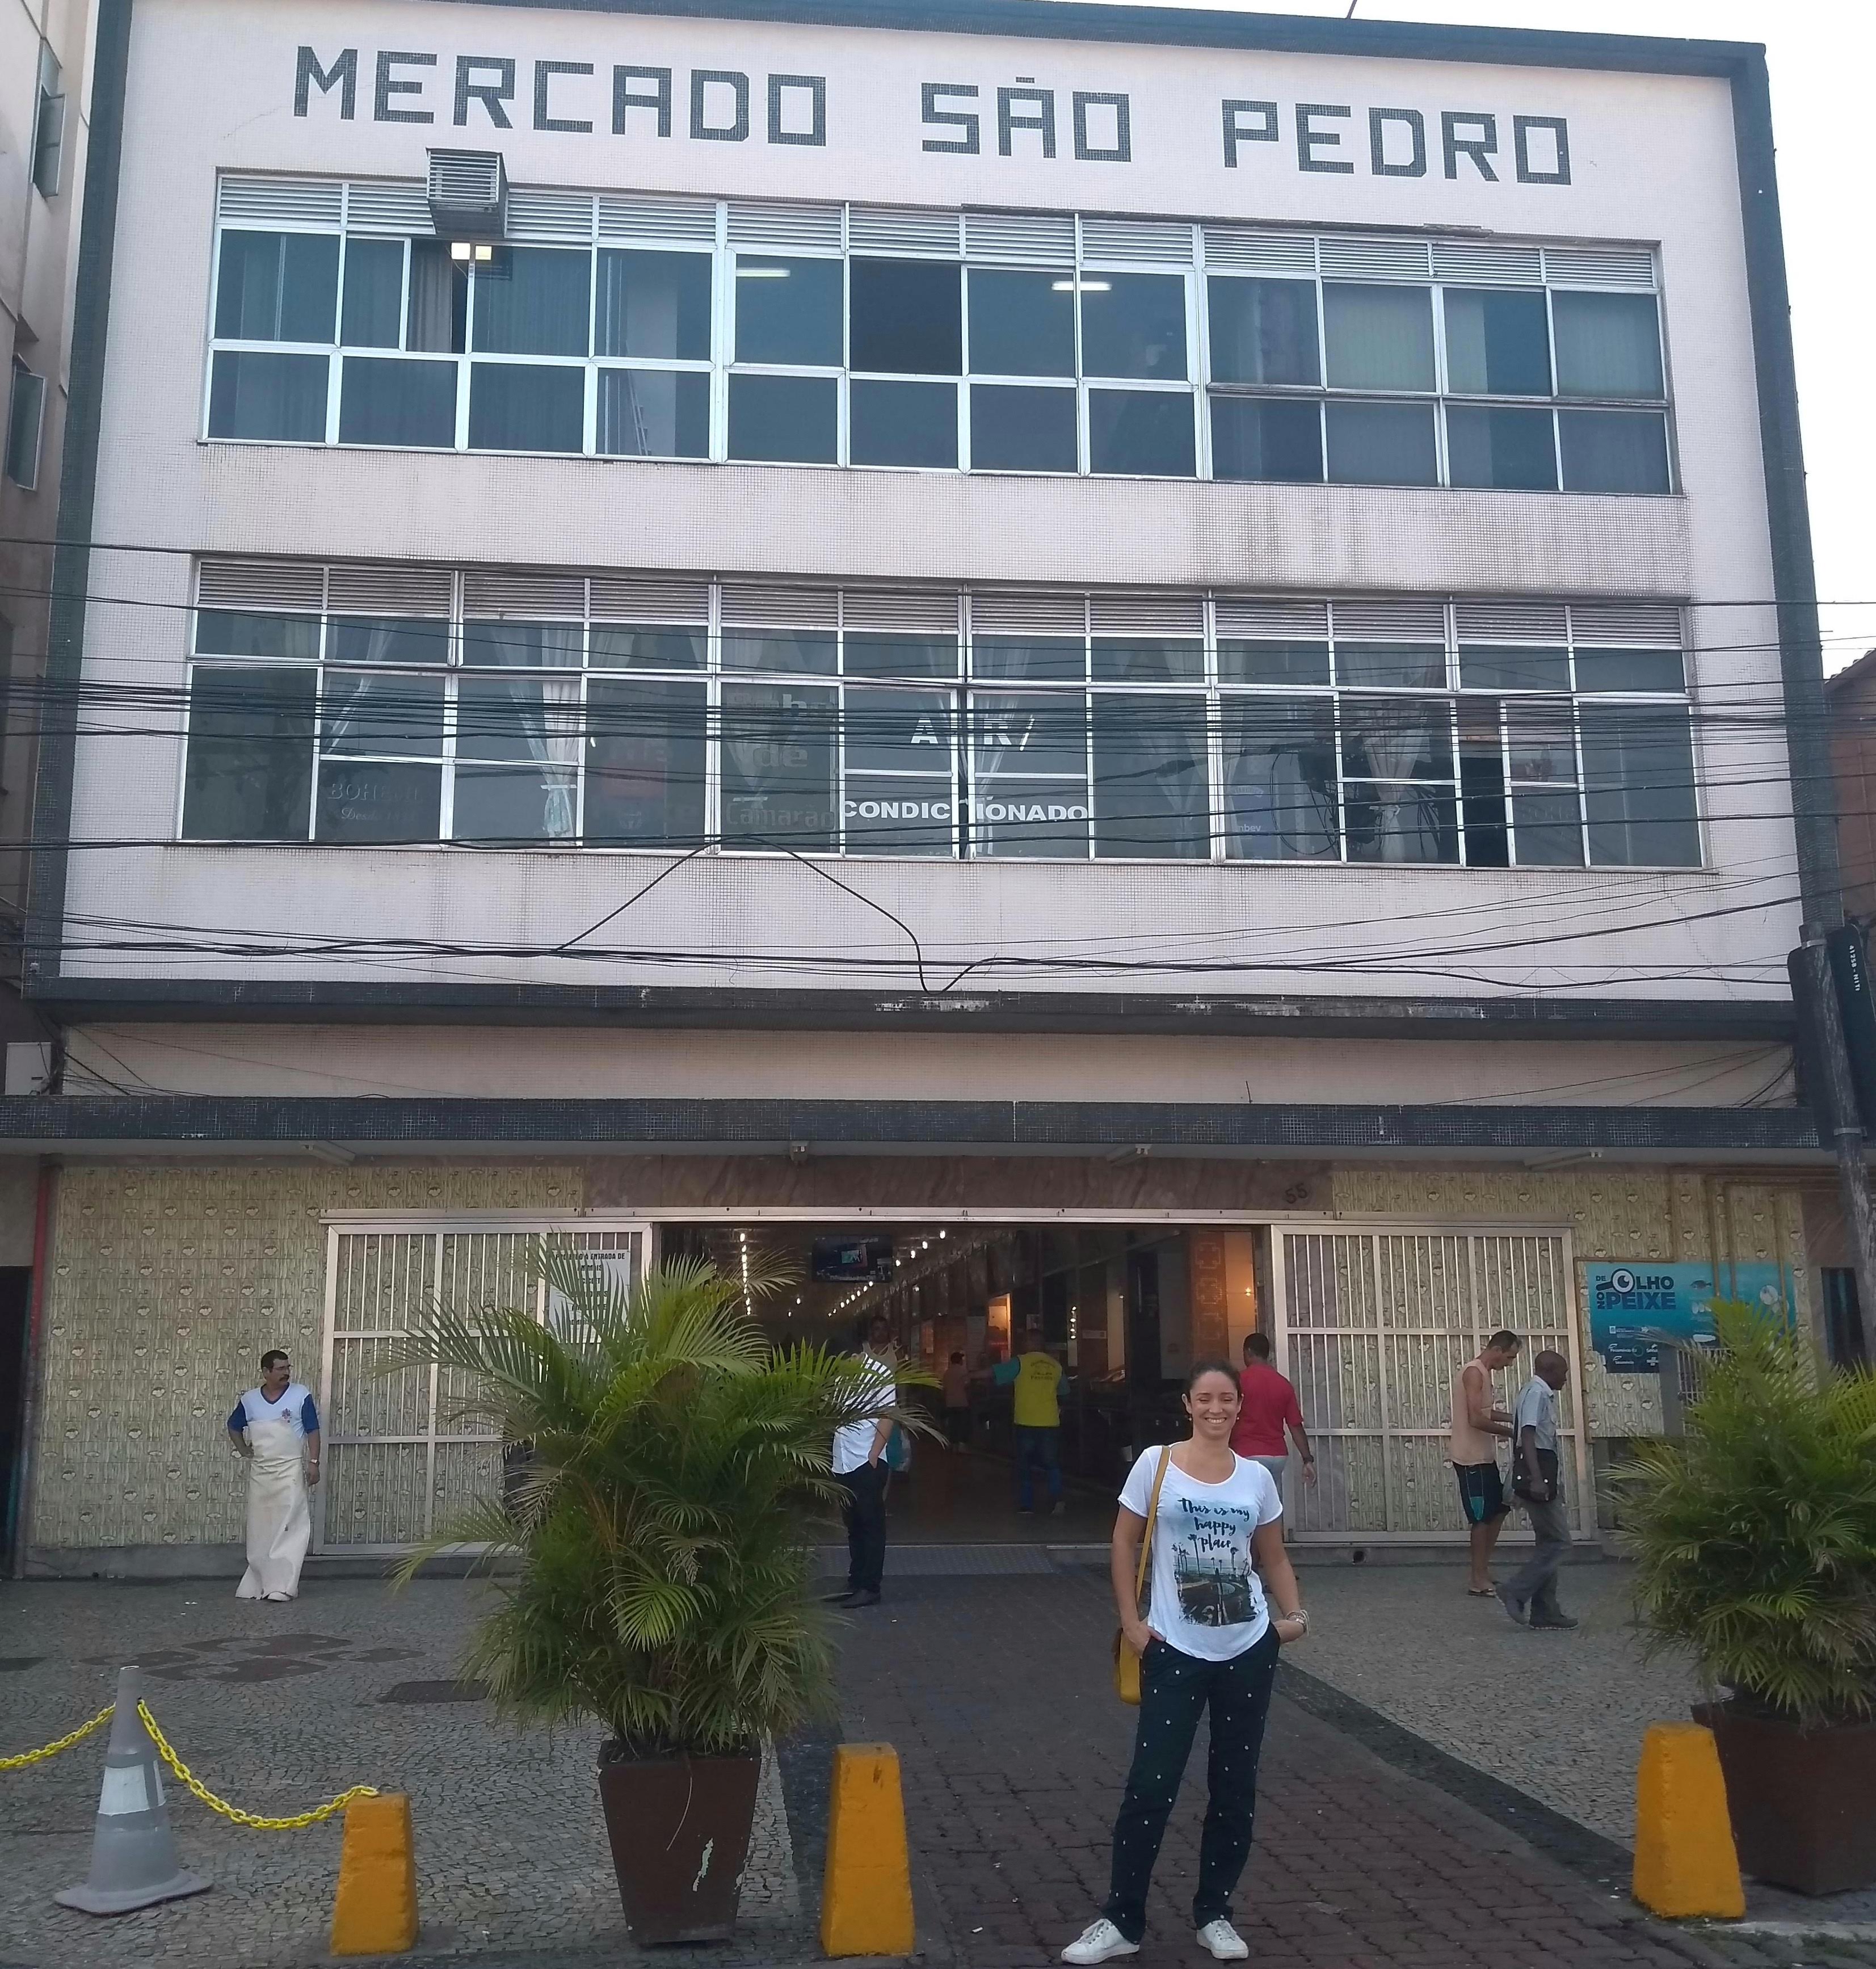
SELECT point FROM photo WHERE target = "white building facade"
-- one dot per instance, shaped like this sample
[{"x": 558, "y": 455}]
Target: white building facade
[{"x": 693, "y": 616}]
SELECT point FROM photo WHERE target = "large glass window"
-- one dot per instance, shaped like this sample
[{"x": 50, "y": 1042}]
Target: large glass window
[
  {"x": 876, "y": 359},
  {"x": 806, "y": 737}
]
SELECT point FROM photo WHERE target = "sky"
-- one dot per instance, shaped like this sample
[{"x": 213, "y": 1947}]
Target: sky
[{"x": 1821, "y": 54}]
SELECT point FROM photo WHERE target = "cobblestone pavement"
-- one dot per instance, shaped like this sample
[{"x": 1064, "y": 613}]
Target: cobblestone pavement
[
  {"x": 996, "y": 1692},
  {"x": 994, "y": 1687},
  {"x": 275, "y": 1707}
]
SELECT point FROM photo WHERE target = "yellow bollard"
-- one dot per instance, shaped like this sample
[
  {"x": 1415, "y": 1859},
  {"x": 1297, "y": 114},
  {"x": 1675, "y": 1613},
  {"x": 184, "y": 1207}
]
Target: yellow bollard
[
  {"x": 1685, "y": 1861},
  {"x": 374, "y": 1911},
  {"x": 866, "y": 1893}
]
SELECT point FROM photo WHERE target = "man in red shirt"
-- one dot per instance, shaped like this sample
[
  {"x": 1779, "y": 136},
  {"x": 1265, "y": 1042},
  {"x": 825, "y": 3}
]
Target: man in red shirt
[{"x": 1269, "y": 1404}]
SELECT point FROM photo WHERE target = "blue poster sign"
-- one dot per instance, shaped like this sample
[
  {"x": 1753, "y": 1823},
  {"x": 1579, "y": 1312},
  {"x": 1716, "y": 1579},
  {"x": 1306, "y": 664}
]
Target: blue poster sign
[{"x": 1634, "y": 1307}]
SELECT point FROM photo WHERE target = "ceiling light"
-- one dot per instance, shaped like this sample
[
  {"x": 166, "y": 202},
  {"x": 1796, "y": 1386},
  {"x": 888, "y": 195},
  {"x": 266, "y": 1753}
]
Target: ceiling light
[
  {"x": 1081, "y": 287},
  {"x": 762, "y": 273}
]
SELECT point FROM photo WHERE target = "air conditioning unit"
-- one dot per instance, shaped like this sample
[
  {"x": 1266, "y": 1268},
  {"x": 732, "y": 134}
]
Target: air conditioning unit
[{"x": 468, "y": 194}]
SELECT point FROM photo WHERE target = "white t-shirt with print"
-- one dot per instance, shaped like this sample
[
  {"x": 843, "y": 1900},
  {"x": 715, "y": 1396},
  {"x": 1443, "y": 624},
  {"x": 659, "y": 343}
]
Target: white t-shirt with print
[{"x": 1205, "y": 1598}]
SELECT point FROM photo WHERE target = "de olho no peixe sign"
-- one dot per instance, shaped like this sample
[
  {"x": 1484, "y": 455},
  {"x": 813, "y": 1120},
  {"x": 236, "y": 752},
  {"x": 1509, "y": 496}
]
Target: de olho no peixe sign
[{"x": 1634, "y": 1307}]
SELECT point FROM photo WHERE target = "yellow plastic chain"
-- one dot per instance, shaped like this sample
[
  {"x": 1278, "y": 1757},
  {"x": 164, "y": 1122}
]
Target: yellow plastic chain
[
  {"x": 234, "y": 1812},
  {"x": 78, "y": 1735}
]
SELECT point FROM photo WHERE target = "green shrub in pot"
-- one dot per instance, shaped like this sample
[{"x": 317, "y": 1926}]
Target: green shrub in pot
[
  {"x": 670, "y": 1459},
  {"x": 1754, "y": 1536}
]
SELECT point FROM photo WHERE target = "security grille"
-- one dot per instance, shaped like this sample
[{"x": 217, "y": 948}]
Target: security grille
[
  {"x": 399, "y": 1461},
  {"x": 1373, "y": 1323}
]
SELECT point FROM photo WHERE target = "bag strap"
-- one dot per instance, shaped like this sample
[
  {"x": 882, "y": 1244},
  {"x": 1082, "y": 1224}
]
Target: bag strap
[{"x": 1152, "y": 1512}]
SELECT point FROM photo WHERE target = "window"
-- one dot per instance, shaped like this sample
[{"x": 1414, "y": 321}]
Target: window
[
  {"x": 1236, "y": 729},
  {"x": 48, "y": 145},
  {"x": 929, "y": 354},
  {"x": 26, "y": 416}
]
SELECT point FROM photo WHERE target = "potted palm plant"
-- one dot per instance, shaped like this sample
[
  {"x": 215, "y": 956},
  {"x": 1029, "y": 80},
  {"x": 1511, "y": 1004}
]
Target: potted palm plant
[
  {"x": 1755, "y": 1535},
  {"x": 662, "y": 1463}
]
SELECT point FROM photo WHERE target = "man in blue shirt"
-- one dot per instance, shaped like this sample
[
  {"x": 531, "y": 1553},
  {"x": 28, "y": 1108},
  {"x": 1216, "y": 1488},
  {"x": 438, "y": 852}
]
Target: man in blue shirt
[{"x": 1537, "y": 1480}]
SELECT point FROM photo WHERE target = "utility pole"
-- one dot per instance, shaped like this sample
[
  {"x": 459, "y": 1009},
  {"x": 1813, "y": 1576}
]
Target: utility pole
[{"x": 1833, "y": 1102}]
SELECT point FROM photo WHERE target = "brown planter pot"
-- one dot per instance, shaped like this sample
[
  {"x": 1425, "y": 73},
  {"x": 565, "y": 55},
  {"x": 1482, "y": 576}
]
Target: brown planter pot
[
  {"x": 679, "y": 1828},
  {"x": 1802, "y": 1802}
]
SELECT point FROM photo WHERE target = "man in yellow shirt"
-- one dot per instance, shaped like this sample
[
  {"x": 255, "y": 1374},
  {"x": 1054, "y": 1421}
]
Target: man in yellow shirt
[{"x": 1037, "y": 1378}]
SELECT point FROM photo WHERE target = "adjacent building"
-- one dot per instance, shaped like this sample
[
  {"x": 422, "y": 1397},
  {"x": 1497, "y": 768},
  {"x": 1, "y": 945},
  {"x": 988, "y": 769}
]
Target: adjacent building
[{"x": 1186, "y": 631}]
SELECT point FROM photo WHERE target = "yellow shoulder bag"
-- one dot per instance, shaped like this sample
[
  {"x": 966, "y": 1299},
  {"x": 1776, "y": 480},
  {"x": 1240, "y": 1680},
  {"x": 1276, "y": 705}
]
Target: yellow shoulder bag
[{"x": 1126, "y": 1658}]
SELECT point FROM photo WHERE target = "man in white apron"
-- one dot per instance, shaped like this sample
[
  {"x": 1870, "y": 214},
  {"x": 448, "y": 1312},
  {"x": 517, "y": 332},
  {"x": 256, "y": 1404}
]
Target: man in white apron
[{"x": 276, "y": 1428}]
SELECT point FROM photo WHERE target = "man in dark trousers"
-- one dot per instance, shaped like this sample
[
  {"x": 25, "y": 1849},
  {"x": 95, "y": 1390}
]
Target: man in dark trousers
[
  {"x": 1530, "y": 1596},
  {"x": 859, "y": 1464}
]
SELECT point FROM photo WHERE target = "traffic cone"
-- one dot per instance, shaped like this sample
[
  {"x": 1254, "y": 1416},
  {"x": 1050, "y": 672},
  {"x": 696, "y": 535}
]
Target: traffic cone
[{"x": 134, "y": 1859}]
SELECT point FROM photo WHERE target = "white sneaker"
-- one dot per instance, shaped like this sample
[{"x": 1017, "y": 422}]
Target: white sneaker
[
  {"x": 1101, "y": 1942},
  {"x": 1224, "y": 1941}
]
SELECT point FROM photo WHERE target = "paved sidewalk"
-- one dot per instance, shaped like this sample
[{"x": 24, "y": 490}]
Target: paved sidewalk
[{"x": 993, "y": 1686}]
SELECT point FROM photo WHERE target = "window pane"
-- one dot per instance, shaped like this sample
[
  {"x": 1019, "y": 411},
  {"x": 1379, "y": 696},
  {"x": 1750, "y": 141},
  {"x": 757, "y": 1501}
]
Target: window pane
[
  {"x": 438, "y": 319},
  {"x": 1614, "y": 451},
  {"x": 617, "y": 647},
  {"x": 788, "y": 310},
  {"x": 373, "y": 305},
  {"x": 387, "y": 639},
  {"x": 1481, "y": 793},
  {"x": 378, "y": 712},
  {"x": 652, "y": 304},
  {"x": 1381, "y": 444},
  {"x": 811, "y": 651},
  {"x": 1606, "y": 345},
  {"x": 1263, "y": 331},
  {"x": 1396, "y": 738},
  {"x": 1638, "y": 787},
  {"x": 1514, "y": 450},
  {"x": 1489, "y": 666},
  {"x": 1150, "y": 781},
  {"x": 1265, "y": 438},
  {"x": 535, "y": 304},
  {"x": 522, "y": 645},
  {"x": 645, "y": 764},
  {"x": 783, "y": 418},
  {"x": 1028, "y": 734},
  {"x": 1400, "y": 823},
  {"x": 1272, "y": 662},
  {"x": 513, "y": 803},
  {"x": 653, "y": 414},
  {"x": 1140, "y": 432},
  {"x": 360, "y": 802},
  {"x": 517, "y": 714},
  {"x": 1379, "y": 338},
  {"x": 1148, "y": 660},
  {"x": 234, "y": 632},
  {"x": 277, "y": 287},
  {"x": 1280, "y": 780},
  {"x": 531, "y": 408},
  {"x": 1548, "y": 829},
  {"x": 896, "y": 816},
  {"x": 778, "y": 767},
  {"x": 250, "y": 769},
  {"x": 905, "y": 317},
  {"x": 1630, "y": 670},
  {"x": 1542, "y": 743},
  {"x": 1030, "y": 657},
  {"x": 384, "y": 401},
  {"x": 882, "y": 656},
  {"x": 1021, "y": 324},
  {"x": 1497, "y": 343},
  {"x": 1403, "y": 666},
  {"x": 1018, "y": 430},
  {"x": 1133, "y": 325},
  {"x": 254, "y": 395},
  {"x": 903, "y": 423},
  {"x": 899, "y": 731}
]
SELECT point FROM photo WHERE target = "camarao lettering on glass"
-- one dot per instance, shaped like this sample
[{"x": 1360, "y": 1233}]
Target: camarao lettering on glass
[{"x": 1024, "y": 118}]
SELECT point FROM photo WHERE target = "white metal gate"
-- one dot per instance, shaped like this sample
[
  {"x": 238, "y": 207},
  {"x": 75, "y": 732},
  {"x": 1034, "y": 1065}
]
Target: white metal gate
[
  {"x": 1373, "y": 1322},
  {"x": 398, "y": 1463}
]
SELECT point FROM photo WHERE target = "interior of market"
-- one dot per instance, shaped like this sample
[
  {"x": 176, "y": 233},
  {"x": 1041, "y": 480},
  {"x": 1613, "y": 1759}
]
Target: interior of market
[{"x": 1123, "y": 1309}]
